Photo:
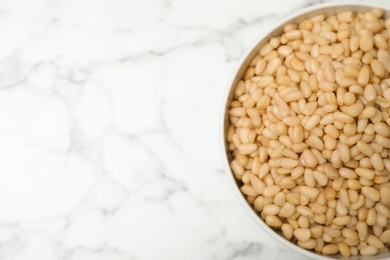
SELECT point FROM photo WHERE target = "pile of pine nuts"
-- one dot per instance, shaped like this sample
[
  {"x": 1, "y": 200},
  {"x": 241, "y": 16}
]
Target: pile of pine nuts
[{"x": 309, "y": 133}]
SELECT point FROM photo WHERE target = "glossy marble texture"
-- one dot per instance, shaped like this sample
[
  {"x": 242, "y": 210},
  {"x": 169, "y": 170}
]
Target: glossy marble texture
[{"x": 109, "y": 120}]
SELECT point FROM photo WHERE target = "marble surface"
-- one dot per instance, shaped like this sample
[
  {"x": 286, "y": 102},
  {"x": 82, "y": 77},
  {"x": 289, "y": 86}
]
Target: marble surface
[{"x": 109, "y": 140}]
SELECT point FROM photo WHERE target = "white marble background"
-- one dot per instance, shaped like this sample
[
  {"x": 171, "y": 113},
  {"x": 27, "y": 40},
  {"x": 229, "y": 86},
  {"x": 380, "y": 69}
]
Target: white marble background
[{"x": 109, "y": 112}]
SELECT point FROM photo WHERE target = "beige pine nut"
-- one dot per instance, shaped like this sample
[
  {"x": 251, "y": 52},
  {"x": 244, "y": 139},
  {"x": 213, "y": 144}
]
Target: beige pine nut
[
  {"x": 375, "y": 241},
  {"x": 303, "y": 222},
  {"x": 237, "y": 111},
  {"x": 297, "y": 173},
  {"x": 365, "y": 173},
  {"x": 265, "y": 81},
  {"x": 309, "y": 179},
  {"x": 385, "y": 236},
  {"x": 335, "y": 159},
  {"x": 385, "y": 142},
  {"x": 344, "y": 249},
  {"x": 302, "y": 234},
  {"x": 274, "y": 42},
  {"x": 320, "y": 177},
  {"x": 287, "y": 183},
  {"x": 346, "y": 82},
  {"x": 250, "y": 72},
  {"x": 240, "y": 88},
  {"x": 247, "y": 148},
  {"x": 305, "y": 211},
  {"x": 368, "y": 250},
  {"x": 255, "y": 165},
  {"x": 354, "y": 251},
  {"x": 330, "y": 143},
  {"x": 288, "y": 231},
  {"x": 376, "y": 161},
  {"x": 355, "y": 109},
  {"x": 366, "y": 43},
  {"x": 344, "y": 153},
  {"x": 368, "y": 112},
  {"x": 341, "y": 209},
  {"x": 293, "y": 222},
  {"x": 288, "y": 209},
  {"x": 370, "y": 93},
  {"x": 349, "y": 234},
  {"x": 280, "y": 199},
  {"x": 320, "y": 157},
  {"x": 312, "y": 122},
  {"x": 316, "y": 142},
  {"x": 386, "y": 94},
  {"x": 329, "y": 71},
  {"x": 349, "y": 98},
  {"x": 310, "y": 244},
  {"x": 377, "y": 68},
  {"x": 248, "y": 190},
  {"x": 382, "y": 209},
  {"x": 385, "y": 195},
  {"x": 347, "y": 173},
  {"x": 294, "y": 96},
  {"x": 371, "y": 217},
  {"x": 273, "y": 65},
  {"x": 309, "y": 159},
  {"x": 289, "y": 163},
  {"x": 285, "y": 50},
  {"x": 291, "y": 120},
  {"x": 327, "y": 119},
  {"x": 354, "y": 43},
  {"x": 242, "y": 159},
  {"x": 342, "y": 117},
  {"x": 320, "y": 219},
  {"x": 310, "y": 108},
  {"x": 362, "y": 230},
  {"x": 330, "y": 249},
  {"x": 320, "y": 40},
  {"x": 273, "y": 221},
  {"x": 265, "y": 49},
  {"x": 296, "y": 65},
  {"x": 382, "y": 129},
  {"x": 327, "y": 238},
  {"x": 257, "y": 184},
  {"x": 351, "y": 72},
  {"x": 237, "y": 168},
  {"x": 309, "y": 192},
  {"x": 327, "y": 86},
  {"x": 316, "y": 231},
  {"x": 364, "y": 148},
  {"x": 288, "y": 153},
  {"x": 343, "y": 197},
  {"x": 271, "y": 210},
  {"x": 271, "y": 191},
  {"x": 345, "y": 17},
  {"x": 353, "y": 196},
  {"x": 364, "y": 76},
  {"x": 342, "y": 220},
  {"x": 330, "y": 193},
  {"x": 260, "y": 67},
  {"x": 236, "y": 140},
  {"x": 258, "y": 204},
  {"x": 264, "y": 170}
]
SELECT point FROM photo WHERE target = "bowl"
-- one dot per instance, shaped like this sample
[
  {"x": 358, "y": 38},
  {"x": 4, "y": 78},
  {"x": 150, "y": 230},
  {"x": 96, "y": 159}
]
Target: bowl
[{"x": 327, "y": 9}]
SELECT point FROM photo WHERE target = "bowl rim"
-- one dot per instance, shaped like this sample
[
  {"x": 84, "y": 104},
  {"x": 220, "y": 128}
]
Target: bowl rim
[{"x": 271, "y": 232}]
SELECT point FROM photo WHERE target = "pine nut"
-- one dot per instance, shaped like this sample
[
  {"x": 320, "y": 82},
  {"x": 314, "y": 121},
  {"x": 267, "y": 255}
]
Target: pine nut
[{"x": 302, "y": 234}]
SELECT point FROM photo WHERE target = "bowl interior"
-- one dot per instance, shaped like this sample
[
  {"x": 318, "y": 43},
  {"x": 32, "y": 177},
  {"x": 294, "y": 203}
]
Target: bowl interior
[{"x": 327, "y": 9}]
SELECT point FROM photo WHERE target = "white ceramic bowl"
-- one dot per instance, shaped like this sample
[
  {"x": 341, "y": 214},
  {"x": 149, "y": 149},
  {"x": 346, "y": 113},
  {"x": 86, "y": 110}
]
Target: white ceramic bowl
[{"x": 328, "y": 9}]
